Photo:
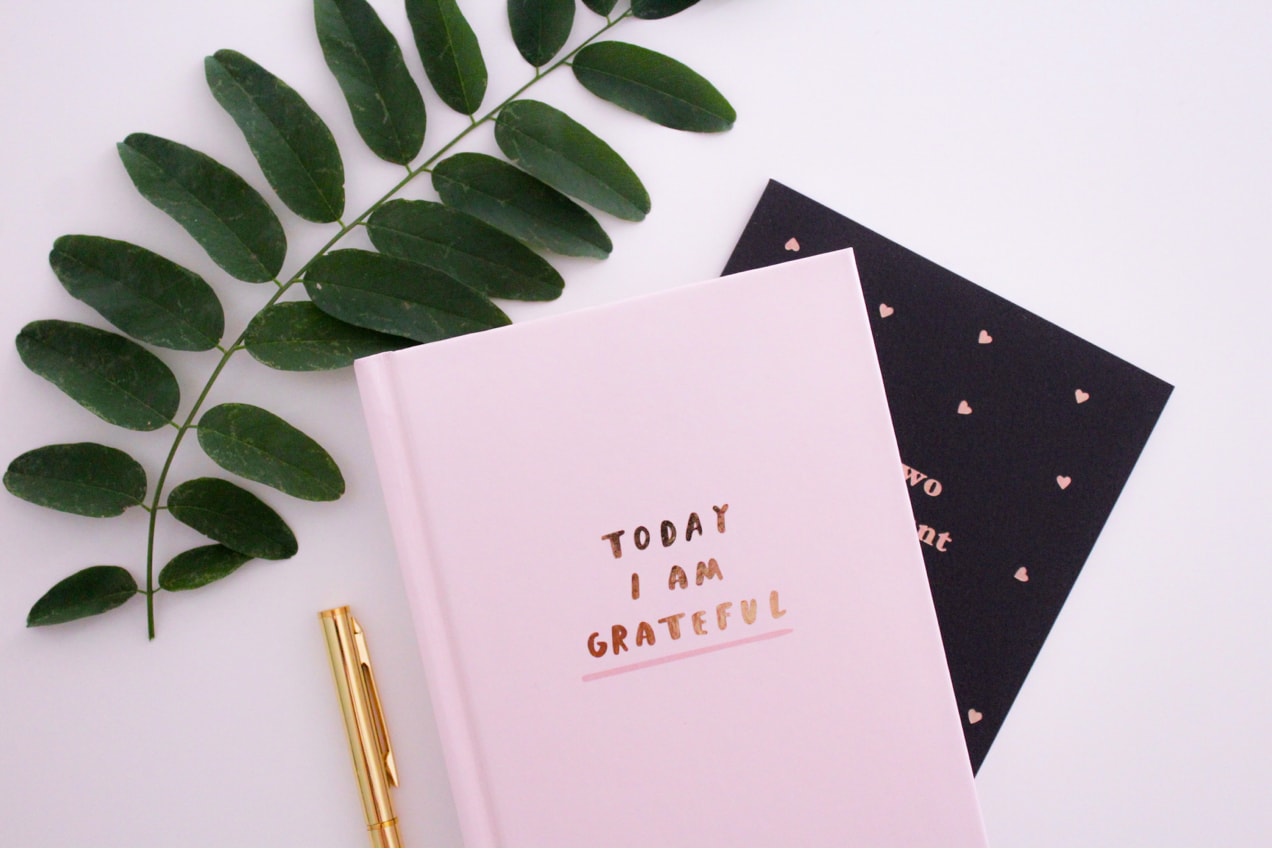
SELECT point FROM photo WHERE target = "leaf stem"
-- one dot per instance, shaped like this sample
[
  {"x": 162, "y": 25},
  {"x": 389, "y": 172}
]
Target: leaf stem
[
  {"x": 239, "y": 343},
  {"x": 167, "y": 466}
]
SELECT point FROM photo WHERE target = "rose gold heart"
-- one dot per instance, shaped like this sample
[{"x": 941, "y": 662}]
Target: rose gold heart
[
  {"x": 964, "y": 408},
  {"x": 885, "y": 311},
  {"x": 974, "y": 716},
  {"x": 1022, "y": 574},
  {"x": 1080, "y": 396},
  {"x": 1064, "y": 481},
  {"x": 984, "y": 338},
  {"x": 792, "y": 244}
]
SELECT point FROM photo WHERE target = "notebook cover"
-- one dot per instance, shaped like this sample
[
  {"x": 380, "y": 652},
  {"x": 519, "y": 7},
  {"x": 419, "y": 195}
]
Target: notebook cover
[
  {"x": 715, "y": 462},
  {"x": 1016, "y": 439}
]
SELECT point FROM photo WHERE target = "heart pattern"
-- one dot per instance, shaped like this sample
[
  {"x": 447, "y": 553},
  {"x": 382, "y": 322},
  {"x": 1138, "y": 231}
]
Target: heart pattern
[{"x": 998, "y": 403}]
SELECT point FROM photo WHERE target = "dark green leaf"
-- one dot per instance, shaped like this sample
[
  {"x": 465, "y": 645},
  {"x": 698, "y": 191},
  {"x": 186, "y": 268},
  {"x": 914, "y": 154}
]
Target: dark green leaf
[
  {"x": 600, "y": 7},
  {"x": 260, "y": 446},
  {"x": 90, "y": 591},
  {"x": 365, "y": 58},
  {"x": 467, "y": 249},
  {"x": 452, "y": 58},
  {"x": 231, "y": 515},
  {"x": 143, "y": 294},
  {"x": 653, "y": 85},
  {"x": 298, "y": 337},
  {"x": 520, "y": 205},
  {"x": 110, "y": 375},
  {"x": 540, "y": 28},
  {"x": 295, "y": 149},
  {"x": 651, "y": 9},
  {"x": 561, "y": 152},
  {"x": 203, "y": 565},
  {"x": 80, "y": 478},
  {"x": 217, "y": 207},
  {"x": 398, "y": 297}
]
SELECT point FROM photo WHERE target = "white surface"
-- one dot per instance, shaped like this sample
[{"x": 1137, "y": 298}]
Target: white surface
[{"x": 1104, "y": 166}]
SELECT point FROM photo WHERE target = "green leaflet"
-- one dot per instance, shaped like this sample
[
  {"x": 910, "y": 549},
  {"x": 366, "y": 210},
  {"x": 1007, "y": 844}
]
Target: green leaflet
[
  {"x": 465, "y": 248},
  {"x": 561, "y": 152},
  {"x": 653, "y": 85},
  {"x": 519, "y": 205},
  {"x": 146, "y": 296},
  {"x": 200, "y": 566},
  {"x": 215, "y": 206},
  {"x": 260, "y": 446},
  {"x": 651, "y": 9},
  {"x": 540, "y": 28},
  {"x": 367, "y": 62},
  {"x": 600, "y": 7},
  {"x": 110, "y": 375},
  {"x": 448, "y": 47},
  {"x": 296, "y": 336},
  {"x": 293, "y": 146},
  {"x": 90, "y": 591},
  {"x": 397, "y": 297},
  {"x": 88, "y": 479},
  {"x": 231, "y": 515}
]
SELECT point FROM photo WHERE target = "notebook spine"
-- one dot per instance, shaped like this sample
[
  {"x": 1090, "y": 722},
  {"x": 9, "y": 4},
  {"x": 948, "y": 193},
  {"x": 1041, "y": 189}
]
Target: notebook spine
[{"x": 404, "y": 498}]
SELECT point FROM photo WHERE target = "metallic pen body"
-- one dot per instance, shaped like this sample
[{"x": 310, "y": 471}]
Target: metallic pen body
[{"x": 373, "y": 762}]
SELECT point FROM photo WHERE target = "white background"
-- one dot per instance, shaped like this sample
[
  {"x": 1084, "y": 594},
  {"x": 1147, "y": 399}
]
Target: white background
[{"x": 1107, "y": 166}]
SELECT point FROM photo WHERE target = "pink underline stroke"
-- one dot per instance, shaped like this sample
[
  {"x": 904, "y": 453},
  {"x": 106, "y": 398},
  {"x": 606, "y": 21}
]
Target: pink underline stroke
[{"x": 689, "y": 653}]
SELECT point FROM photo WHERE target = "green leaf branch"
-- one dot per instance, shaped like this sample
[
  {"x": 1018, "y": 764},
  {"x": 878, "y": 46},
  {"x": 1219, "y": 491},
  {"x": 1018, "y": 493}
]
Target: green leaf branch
[{"x": 435, "y": 269}]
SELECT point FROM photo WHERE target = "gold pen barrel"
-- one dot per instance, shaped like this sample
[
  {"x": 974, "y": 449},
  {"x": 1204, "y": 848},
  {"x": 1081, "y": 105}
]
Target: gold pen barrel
[{"x": 373, "y": 762}]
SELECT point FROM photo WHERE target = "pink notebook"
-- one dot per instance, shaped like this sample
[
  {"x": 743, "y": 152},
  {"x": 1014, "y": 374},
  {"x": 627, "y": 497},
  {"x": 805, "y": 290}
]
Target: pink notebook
[{"x": 665, "y": 577}]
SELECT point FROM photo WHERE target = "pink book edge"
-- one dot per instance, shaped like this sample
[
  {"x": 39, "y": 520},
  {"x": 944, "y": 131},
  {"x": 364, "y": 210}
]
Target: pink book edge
[{"x": 378, "y": 389}]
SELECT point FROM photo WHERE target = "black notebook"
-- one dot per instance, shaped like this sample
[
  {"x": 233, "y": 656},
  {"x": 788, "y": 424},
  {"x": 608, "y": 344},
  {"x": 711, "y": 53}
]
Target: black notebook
[{"x": 1016, "y": 438}]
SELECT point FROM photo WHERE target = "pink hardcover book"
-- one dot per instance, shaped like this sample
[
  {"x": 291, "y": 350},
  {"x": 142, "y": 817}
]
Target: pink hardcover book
[{"x": 664, "y": 574}]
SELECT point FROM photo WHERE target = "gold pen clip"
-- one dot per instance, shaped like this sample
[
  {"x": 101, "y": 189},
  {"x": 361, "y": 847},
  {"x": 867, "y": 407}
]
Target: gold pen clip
[{"x": 379, "y": 728}]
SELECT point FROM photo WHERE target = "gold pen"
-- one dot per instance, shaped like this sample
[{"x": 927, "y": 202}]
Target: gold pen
[{"x": 368, "y": 736}]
